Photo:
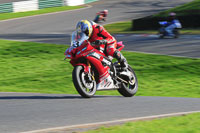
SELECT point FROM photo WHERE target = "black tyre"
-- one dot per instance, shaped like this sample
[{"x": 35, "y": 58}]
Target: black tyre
[
  {"x": 176, "y": 33},
  {"x": 85, "y": 87},
  {"x": 161, "y": 32},
  {"x": 161, "y": 36},
  {"x": 129, "y": 89}
]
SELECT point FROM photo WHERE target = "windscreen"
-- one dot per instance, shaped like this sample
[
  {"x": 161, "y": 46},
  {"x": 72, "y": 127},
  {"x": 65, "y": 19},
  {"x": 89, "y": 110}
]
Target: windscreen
[{"x": 78, "y": 38}]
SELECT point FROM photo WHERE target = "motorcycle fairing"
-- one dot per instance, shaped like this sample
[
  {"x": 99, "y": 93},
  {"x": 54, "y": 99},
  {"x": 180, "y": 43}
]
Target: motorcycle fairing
[
  {"x": 106, "y": 82},
  {"x": 81, "y": 49},
  {"x": 93, "y": 57},
  {"x": 100, "y": 57}
]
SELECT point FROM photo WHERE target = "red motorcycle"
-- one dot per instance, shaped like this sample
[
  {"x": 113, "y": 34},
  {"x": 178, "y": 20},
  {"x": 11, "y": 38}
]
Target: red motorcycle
[{"x": 94, "y": 71}]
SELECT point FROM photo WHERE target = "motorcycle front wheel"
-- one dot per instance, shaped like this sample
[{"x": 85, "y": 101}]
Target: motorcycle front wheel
[
  {"x": 161, "y": 32},
  {"x": 129, "y": 89},
  {"x": 82, "y": 82}
]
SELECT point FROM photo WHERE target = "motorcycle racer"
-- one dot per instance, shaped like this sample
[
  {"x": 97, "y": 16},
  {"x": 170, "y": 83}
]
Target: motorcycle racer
[
  {"x": 101, "y": 16},
  {"x": 94, "y": 71},
  {"x": 172, "y": 23},
  {"x": 102, "y": 41}
]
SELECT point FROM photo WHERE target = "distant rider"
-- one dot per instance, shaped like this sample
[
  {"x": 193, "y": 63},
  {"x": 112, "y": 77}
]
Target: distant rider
[
  {"x": 172, "y": 23},
  {"x": 102, "y": 40},
  {"x": 102, "y": 15}
]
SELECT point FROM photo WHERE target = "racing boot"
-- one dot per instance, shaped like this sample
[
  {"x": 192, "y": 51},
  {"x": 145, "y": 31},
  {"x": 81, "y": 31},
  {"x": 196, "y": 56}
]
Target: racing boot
[{"x": 121, "y": 59}]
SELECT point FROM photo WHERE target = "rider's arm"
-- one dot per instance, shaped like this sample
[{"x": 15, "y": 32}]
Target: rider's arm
[
  {"x": 109, "y": 38},
  {"x": 177, "y": 23}
]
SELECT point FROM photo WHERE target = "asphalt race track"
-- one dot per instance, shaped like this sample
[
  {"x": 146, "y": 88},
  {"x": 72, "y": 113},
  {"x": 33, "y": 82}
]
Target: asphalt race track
[
  {"x": 57, "y": 28},
  {"x": 185, "y": 46},
  {"x": 20, "y": 112},
  {"x": 24, "y": 112}
]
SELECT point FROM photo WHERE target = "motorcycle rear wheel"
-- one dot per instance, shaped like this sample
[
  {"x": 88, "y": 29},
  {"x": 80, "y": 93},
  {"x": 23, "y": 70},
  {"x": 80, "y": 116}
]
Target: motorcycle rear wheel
[
  {"x": 81, "y": 83},
  {"x": 176, "y": 33},
  {"x": 161, "y": 36},
  {"x": 128, "y": 90}
]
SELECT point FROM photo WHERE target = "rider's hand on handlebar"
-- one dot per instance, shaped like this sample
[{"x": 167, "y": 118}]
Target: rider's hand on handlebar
[{"x": 99, "y": 42}]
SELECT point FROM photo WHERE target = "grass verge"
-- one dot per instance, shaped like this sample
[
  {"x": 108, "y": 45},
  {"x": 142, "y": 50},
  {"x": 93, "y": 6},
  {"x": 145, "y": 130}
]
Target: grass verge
[
  {"x": 125, "y": 27},
  {"x": 36, "y": 67},
  {"x": 179, "y": 124},
  {"x": 5, "y": 16},
  {"x": 191, "y": 8}
]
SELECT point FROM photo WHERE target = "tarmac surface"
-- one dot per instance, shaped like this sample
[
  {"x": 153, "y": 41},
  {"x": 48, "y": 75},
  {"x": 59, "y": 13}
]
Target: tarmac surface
[
  {"x": 20, "y": 112},
  {"x": 57, "y": 27}
]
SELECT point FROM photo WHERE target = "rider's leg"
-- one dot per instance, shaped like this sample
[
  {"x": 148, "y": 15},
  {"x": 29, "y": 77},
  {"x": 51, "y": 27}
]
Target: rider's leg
[
  {"x": 112, "y": 51},
  {"x": 170, "y": 29},
  {"x": 96, "y": 20},
  {"x": 121, "y": 59}
]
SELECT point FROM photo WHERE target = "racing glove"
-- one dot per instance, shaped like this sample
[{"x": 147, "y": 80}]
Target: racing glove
[{"x": 99, "y": 42}]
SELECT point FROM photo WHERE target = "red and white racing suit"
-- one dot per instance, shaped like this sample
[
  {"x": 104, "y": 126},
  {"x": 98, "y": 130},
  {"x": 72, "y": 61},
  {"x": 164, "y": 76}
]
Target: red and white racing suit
[{"x": 99, "y": 33}]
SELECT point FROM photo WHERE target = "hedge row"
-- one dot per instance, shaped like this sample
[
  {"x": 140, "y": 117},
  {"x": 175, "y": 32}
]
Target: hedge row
[{"x": 151, "y": 23}]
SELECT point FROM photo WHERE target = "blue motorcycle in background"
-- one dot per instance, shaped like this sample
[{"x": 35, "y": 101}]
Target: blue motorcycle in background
[{"x": 163, "y": 33}]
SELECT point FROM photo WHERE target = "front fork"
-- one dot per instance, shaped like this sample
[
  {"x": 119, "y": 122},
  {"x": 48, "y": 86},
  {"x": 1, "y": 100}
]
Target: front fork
[{"x": 90, "y": 73}]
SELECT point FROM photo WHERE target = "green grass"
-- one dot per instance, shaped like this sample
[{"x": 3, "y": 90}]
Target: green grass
[
  {"x": 119, "y": 27},
  {"x": 35, "y": 67},
  {"x": 179, "y": 124},
  {"x": 191, "y": 8},
  {"x": 125, "y": 27},
  {"x": 5, "y": 16}
]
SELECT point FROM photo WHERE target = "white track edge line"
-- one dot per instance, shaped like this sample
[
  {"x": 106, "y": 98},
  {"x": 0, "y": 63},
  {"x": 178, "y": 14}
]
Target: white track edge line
[{"x": 111, "y": 122}]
